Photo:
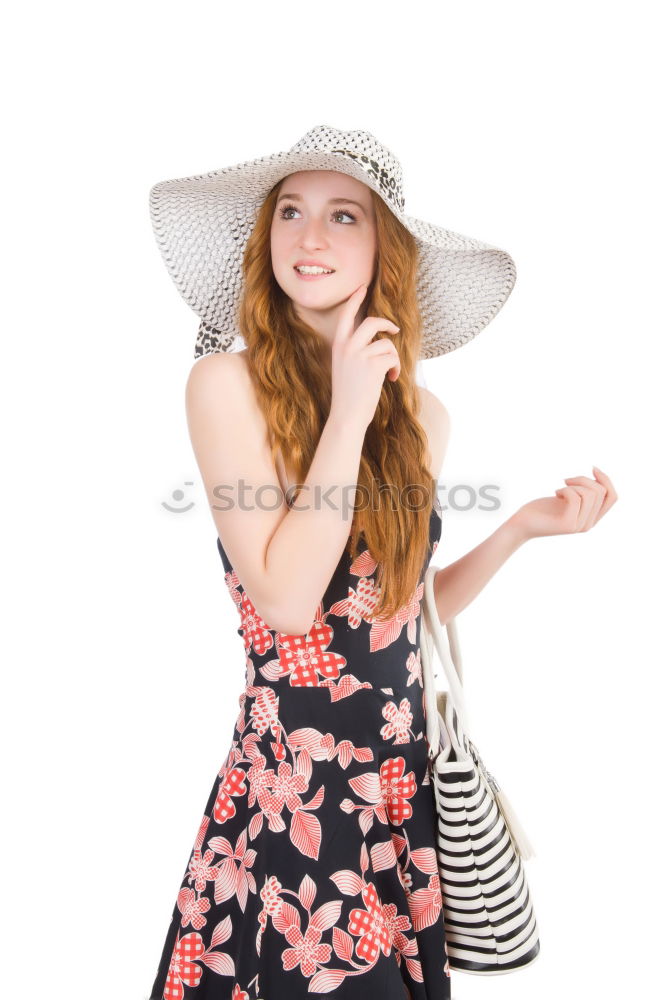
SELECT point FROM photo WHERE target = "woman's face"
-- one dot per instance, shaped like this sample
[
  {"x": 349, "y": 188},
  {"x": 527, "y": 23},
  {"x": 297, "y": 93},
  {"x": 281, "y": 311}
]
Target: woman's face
[{"x": 323, "y": 217}]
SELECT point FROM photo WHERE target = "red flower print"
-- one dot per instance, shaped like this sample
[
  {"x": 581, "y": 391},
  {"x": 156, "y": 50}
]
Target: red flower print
[
  {"x": 200, "y": 870},
  {"x": 305, "y": 831},
  {"x": 258, "y": 778},
  {"x": 396, "y": 924},
  {"x": 425, "y": 904},
  {"x": 240, "y": 723},
  {"x": 270, "y": 895},
  {"x": 364, "y": 564},
  {"x": 238, "y": 993},
  {"x": 346, "y": 752},
  {"x": 192, "y": 908},
  {"x": 323, "y": 747},
  {"x": 371, "y": 925},
  {"x": 399, "y": 720},
  {"x": 233, "y": 585},
  {"x": 359, "y": 605},
  {"x": 306, "y": 949},
  {"x": 202, "y": 830},
  {"x": 347, "y": 685},
  {"x": 396, "y": 788},
  {"x": 183, "y": 971},
  {"x": 384, "y": 631},
  {"x": 234, "y": 784},
  {"x": 406, "y": 880},
  {"x": 317, "y": 745},
  {"x": 256, "y": 632},
  {"x": 369, "y": 786},
  {"x": 281, "y": 789},
  {"x": 413, "y": 665},
  {"x": 264, "y": 710},
  {"x": 286, "y": 786},
  {"x": 273, "y": 905},
  {"x": 304, "y": 658},
  {"x": 271, "y": 808},
  {"x": 234, "y": 877}
]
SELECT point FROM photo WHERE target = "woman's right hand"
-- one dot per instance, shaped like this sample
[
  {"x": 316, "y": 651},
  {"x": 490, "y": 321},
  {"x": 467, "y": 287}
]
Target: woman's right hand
[{"x": 359, "y": 363}]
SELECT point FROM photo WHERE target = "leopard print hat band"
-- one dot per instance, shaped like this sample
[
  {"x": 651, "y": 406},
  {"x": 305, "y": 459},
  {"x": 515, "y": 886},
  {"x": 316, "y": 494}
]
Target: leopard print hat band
[{"x": 202, "y": 223}]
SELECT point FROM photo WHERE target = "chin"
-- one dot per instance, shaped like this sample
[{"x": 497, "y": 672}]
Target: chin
[{"x": 314, "y": 297}]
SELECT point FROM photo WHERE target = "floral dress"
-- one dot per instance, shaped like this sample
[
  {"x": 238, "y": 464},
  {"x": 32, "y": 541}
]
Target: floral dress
[{"x": 314, "y": 867}]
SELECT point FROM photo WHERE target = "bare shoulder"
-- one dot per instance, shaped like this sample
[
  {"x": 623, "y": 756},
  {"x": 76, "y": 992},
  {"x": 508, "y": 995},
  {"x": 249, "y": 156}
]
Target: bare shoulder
[
  {"x": 436, "y": 420},
  {"x": 219, "y": 394},
  {"x": 222, "y": 411},
  {"x": 221, "y": 369}
]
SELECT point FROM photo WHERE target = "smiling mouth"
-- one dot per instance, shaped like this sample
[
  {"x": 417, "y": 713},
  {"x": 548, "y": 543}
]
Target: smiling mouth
[
  {"x": 311, "y": 277},
  {"x": 320, "y": 267}
]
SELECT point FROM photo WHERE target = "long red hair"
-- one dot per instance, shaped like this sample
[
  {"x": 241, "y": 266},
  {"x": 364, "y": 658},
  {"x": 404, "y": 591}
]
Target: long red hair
[{"x": 287, "y": 361}]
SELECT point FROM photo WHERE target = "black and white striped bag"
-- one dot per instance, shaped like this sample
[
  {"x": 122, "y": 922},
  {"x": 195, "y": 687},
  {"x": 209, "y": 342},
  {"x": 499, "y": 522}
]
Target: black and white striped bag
[{"x": 488, "y": 914}]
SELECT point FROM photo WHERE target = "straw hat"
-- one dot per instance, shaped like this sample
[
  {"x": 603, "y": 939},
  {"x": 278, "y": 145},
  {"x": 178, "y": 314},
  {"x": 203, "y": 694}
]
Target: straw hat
[{"x": 202, "y": 223}]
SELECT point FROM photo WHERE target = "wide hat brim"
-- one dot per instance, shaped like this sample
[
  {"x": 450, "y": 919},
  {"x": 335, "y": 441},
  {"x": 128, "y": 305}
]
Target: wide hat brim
[{"x": 202, "y": 223}]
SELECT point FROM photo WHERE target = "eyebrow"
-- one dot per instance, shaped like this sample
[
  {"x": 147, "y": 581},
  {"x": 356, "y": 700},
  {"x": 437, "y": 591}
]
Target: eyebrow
[{"x": 332, "y": 201}]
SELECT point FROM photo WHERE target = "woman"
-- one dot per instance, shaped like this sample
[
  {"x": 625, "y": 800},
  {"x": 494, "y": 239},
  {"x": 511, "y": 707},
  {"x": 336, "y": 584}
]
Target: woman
[{"x": 314, "y": 867}]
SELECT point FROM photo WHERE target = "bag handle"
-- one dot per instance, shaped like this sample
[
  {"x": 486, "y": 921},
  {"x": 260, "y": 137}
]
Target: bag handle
[
  {"x": 433, "y": 637},
  {"x": 429, "y": 691}
]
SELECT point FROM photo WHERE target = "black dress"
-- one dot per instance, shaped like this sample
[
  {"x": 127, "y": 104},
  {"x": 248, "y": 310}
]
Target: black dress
[{"x": 314, "y": 867}]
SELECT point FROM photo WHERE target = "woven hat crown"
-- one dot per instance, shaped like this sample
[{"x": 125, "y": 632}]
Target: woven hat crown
[{"x": 372, "y": 156}]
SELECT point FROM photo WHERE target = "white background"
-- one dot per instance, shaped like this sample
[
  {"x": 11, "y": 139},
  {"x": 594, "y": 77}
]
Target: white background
[{"x": 530, "y": 127}]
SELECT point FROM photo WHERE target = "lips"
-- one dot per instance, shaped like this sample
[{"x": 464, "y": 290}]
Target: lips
[
  {"x": 312, "y": 277},
  {"x": 312, "y": 263},
  {"x": 328, "y": 270}
]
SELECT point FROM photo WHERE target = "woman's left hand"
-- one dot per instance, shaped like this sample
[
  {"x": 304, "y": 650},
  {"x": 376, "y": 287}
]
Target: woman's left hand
[{"x": 576, "y": 507}]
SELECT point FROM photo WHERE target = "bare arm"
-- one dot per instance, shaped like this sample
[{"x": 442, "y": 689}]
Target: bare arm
[
  {"x": 574, "y": 509},
  {"x": 456, "y": 586},
  {"x": 283, "y": 558},
  {"x": 308, "y": 544}
]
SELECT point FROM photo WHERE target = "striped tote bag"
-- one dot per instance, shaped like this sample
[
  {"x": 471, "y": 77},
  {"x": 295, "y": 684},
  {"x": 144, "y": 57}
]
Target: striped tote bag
[{"x": 488, "y": 913}]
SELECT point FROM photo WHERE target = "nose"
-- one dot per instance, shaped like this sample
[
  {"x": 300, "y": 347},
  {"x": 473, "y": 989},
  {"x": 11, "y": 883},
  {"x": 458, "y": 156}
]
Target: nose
[{"x": 312, "y": 234}]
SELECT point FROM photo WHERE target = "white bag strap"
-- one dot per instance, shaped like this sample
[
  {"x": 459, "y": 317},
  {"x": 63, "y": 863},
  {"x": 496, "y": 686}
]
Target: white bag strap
[
  {"x": 431, "y": 638},
  {"x": 448, "y": 649},
  {"x": 429, "y": 690}
]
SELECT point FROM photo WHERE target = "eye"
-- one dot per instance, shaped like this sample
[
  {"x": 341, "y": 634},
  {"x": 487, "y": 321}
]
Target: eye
[
  {"x": 292, "y": 208},
  {"x": 341, "y": 211},
  {"x": 285, "y": 209}
]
